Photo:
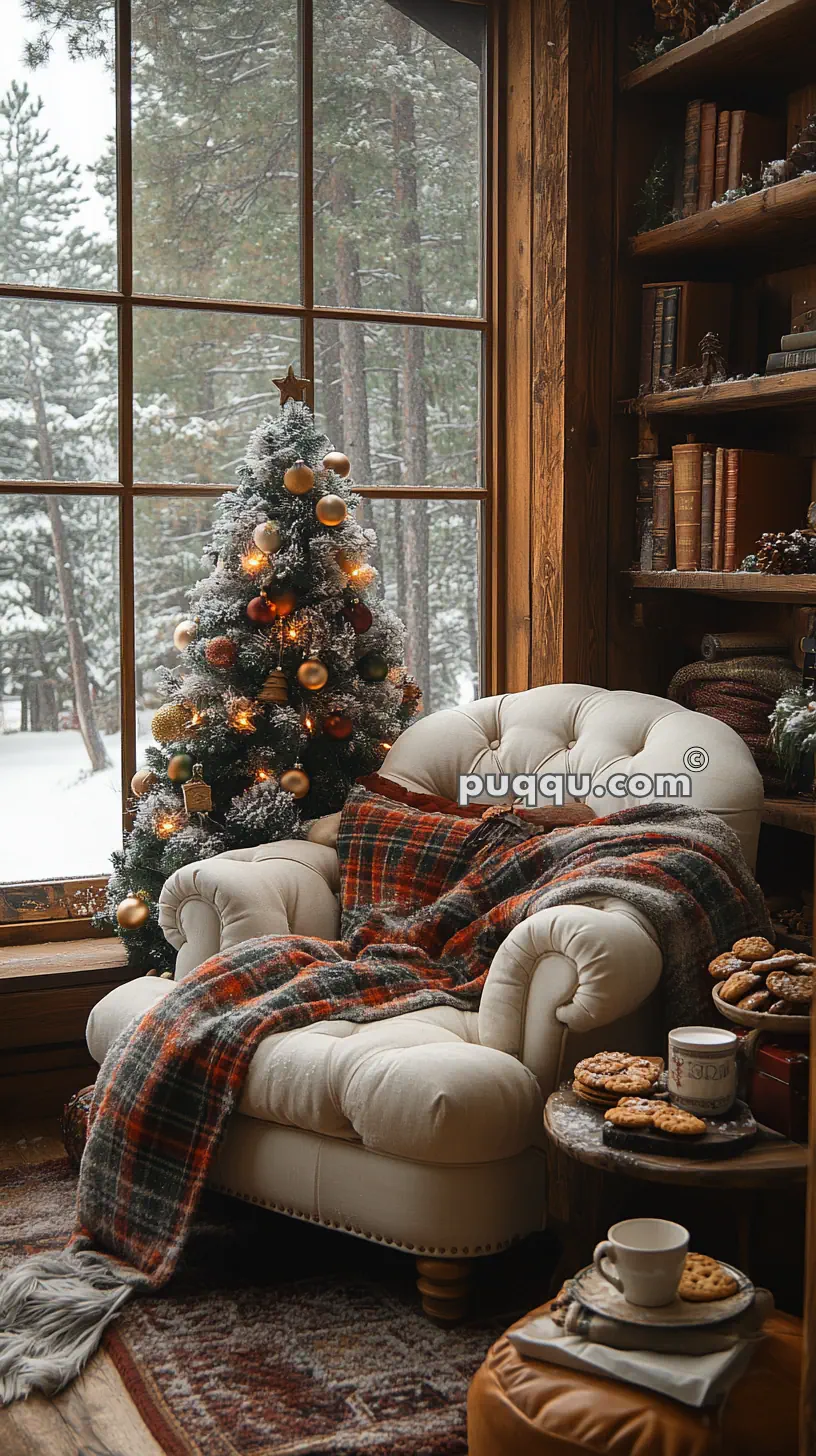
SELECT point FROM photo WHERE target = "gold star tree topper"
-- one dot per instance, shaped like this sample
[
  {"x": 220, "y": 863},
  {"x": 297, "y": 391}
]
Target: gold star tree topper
[{"x": 290, "y": 386}]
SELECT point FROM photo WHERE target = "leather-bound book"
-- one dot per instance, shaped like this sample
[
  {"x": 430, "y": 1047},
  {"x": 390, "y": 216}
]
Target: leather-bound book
[
  {"x": 803, "y": 339},
  {"x": 732, "y": 464},
  {"x": 663, "y": 524},
  {"x": 657, "y": 339},
  {"x": 647, "y": 323},
  {"x": 644, "y": 516},
  {"x": 719, "y": 501},
  {"x": 790, "y": 359},
  {"x": 688, "y": 481},
  {"x": 721, "y": 153},
  {"x": 691, "y": 157},
  {"x": 668, "y": 350},
  {"x": 754, "y": 141},
  {"x": 707, "y": 511},
  {"x": 708, "y": 149},
  {"x": 763, "y": 492}
]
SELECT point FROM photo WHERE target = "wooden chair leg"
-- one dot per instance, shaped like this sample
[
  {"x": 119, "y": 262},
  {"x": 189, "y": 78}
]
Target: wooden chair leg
[{"x": 444, "y": 1286}]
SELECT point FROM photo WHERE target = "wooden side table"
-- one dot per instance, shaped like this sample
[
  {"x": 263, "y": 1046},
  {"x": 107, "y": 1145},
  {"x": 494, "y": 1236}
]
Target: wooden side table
[{"x": 591, "y": 1185}]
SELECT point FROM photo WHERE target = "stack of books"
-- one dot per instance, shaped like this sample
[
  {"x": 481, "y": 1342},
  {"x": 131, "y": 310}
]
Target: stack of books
[
  {"x": 720, "y": 146},
  {"x": 705, "y": 509},
  {"x": 796, "y": 351},
  {"x": 674, "y": 318}
]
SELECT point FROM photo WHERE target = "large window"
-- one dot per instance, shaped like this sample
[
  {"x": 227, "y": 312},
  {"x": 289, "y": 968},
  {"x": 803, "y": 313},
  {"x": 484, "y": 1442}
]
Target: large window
[{"x": 195, "y": 194}]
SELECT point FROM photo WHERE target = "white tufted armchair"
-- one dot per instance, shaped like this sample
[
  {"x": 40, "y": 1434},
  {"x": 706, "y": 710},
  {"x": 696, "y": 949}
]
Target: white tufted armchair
[{"x": 425, "y": 1132}]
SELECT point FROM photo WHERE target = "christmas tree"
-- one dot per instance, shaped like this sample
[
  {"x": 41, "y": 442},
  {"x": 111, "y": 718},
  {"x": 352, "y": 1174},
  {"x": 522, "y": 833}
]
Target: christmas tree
[{"x": 290, "y": 683}]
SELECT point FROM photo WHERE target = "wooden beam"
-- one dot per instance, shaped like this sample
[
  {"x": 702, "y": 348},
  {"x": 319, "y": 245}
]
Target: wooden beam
[{"x": 807, "y": 1411}]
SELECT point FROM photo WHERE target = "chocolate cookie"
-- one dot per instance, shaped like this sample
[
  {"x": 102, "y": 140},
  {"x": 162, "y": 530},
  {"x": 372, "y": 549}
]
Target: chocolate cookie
[{"x": 739, "y": 985}]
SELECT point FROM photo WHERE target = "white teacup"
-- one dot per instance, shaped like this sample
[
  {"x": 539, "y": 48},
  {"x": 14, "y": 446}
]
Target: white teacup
[{"x": 648, "y": 1254}]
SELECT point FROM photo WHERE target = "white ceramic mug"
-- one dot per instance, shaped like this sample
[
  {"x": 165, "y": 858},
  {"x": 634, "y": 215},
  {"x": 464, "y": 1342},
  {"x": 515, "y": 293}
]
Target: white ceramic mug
[
  {"x": 647, "y": 1255},
  {"x": 703, "y": 1069}
]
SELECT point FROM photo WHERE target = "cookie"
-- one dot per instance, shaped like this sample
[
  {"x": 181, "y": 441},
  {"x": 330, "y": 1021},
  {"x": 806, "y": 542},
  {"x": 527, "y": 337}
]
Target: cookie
[
  {"x": 790, "y": 987},
  {"x": 753, "y": 948},
  {"x": 756, "y": 1001},
  {"x": 726, "y": 964},
  {"x": 703, "y": 1280},
  {"x": 631, "y": 1112},
  {"x": 739, "y": 985},
  {"x": 789, "y": 1008},
  {"x": 677, "y": 1122},
  {"x": 784, "y": 960},
  {"x": 595, "y": 1099}
]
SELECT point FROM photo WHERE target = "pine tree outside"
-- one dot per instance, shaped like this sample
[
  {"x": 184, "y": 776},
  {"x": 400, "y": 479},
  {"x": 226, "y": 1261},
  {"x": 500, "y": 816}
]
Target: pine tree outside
[{"x": 217, "y": 173}]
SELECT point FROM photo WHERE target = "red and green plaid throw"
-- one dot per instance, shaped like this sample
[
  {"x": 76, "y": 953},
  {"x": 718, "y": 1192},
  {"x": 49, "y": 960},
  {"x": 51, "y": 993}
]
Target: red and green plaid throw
[{"x": 427, "y": 899}]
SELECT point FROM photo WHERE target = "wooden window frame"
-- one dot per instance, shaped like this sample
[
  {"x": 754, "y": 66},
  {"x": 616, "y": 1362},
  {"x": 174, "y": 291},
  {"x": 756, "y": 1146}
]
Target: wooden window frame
[{"x": 57, "y": 908}]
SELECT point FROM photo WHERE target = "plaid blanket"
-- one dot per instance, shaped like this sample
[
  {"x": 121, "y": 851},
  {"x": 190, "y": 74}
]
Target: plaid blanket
[{"x": 427, "y": 899}]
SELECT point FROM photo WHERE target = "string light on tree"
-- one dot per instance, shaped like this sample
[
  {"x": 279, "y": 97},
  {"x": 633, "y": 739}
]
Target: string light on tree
[
  {"x": 241, "y": 715},
  {"x": 167, "y": 824},
  {"x": 254, "y": 561}
]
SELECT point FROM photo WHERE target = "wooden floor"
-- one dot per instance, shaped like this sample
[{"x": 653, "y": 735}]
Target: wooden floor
[{"x": 94, "y": 1416}]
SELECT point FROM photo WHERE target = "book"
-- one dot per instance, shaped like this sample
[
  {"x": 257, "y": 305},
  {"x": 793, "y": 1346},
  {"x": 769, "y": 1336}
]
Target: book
[
  {"x": 790, "y": 359},
  {"x": 647, "y": 325},
  {"x": 687, "y": 461},
  {"x": 663, "y": 516},
  {"x": 721, "y": 153},
  {"x": 644, "y": 515},
  {"x": 708, "y": 147},
  {"x": 719, "y": 501},
  {"x": 806, "y": 339},
  {"x": 691, "y": 157},
  {"x": 763, "y": 492},
  {"x": 707, "y": 510},
  {"x": 657, "y": 337},
  {"x": 668, "y": 351},
  {"x": 754, "y": 141}
]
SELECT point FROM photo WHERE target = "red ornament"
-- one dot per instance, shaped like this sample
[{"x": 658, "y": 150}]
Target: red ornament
[
  {"x": 261, "y": 610},
  {"x": 338, "y": 726},
  {"x": 220, "y": 652},
  {"x": 358, "y": 615}
]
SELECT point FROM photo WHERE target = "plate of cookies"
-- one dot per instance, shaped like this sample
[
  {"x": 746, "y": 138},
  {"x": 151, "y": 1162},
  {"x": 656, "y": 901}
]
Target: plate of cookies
[
  {"x": 757, "y": 985},
  {"x": 602, "y": 1080},
  {"x": 709, "y": 1292}
]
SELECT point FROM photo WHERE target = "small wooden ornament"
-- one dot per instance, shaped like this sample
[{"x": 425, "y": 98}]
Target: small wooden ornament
[
  {"x": 184, "y": 634},
  {"x": 338, "y": 462},
  {"x": 313, "y": 674},
  {"x": 132, "y": 912},
  {"x": 267, "y": 537},
  {"x": 143, "y": 781},
  {"x": 275, "y": 688},
  {"x": 290, "y": 386},
  {"x": 331, "y": 510},
  {"x": 299, "y": 478},
  {"x": 295, "y": 781},
  {"x": 197, "y": 794}
]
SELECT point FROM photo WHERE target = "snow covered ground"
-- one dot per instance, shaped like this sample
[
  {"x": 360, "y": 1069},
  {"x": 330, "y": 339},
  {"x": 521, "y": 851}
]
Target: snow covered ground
[{"x": 55, "y": 818}]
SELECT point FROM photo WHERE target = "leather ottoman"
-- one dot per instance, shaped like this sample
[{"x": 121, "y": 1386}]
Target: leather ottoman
[{"x": 522, "y": 1407}]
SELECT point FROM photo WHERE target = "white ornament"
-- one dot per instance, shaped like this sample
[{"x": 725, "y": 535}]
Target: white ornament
[
  {"x": 184, "y": 634},
  {"x": 267, "y": 537}
]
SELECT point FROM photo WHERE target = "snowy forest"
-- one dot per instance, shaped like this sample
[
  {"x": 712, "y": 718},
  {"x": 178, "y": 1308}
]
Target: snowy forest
[{"x": 216, "y": 184}]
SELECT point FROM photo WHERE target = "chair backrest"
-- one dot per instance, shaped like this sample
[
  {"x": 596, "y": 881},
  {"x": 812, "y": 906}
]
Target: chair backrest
[{"x": 594, "y": 735}]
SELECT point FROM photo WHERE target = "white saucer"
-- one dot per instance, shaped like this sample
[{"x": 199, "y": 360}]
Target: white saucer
[{"x": 597, "y": 1294}]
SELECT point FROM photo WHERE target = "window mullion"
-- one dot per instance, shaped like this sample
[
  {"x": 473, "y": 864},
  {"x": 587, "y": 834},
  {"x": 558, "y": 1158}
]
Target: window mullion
[
  {"x": 306, "y": 84},
  {"x": 127, "y": 624}
]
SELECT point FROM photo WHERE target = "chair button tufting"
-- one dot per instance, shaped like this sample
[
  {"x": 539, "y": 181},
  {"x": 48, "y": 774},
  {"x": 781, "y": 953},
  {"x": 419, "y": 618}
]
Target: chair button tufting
[
  {"x": 572, "y": 743},
  {"x": 494, "y": 743}
]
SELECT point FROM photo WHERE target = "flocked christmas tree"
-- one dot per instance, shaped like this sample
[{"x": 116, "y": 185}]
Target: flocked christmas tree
[{"x": 290, "y": 683}]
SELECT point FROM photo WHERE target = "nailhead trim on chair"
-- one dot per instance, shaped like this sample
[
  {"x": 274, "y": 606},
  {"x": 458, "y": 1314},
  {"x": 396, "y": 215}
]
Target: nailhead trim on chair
[{"x": 362, "y": 1233}]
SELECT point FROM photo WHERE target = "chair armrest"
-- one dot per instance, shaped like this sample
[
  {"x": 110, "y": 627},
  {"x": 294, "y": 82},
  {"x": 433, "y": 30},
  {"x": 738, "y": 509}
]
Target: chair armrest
[
  {"x": 573, "y": 967},
  {"x": 274, "y": 889}
]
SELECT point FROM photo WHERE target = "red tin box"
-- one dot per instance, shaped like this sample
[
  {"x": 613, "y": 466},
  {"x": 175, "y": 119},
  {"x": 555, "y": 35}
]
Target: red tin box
[{"x": 778, "y": 1092}]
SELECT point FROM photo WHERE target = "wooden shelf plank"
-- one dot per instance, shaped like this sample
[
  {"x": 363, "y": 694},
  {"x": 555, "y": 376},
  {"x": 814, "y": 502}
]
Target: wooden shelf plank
[
  {"x": 781, "y": 215},
  {"x": 761, "y": 391},
  {"x": 797, "y": 814},
  {"x": 749, "y": 585},
  {"x": 773, "y": 43},
  {"x": 62, "y": 963}
]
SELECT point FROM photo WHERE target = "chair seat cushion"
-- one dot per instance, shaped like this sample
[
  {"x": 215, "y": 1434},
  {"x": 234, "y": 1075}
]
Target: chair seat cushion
[
  {"x": 417, "y": 1086},
  {"x": 523, "y": 1407}
]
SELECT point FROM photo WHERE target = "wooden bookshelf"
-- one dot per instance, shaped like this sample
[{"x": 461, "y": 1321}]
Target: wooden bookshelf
[
  {"x": 761, "y": 391},
  {"x": 778, "y": 217},
  {"x": 749, "y": 585},
  {"x": 772, "y": 42},
  {"x": 796, "y": 814}
]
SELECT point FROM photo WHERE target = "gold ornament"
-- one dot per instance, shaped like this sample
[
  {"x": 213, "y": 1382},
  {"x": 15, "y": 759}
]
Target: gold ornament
[
  {"x": 275, "y": 688},
  {"x": 295, "y": 781},
  {"x": 290, "y": 386},
  {"x": 267, "y": 537},
  {"x": 242, "y": 715},
  {"x": 331, "y": 510},
  {"x": 143, "y": 781},
  {"x": 338, "y": 462},
  {"x": 170, "y": 722},
  {"x": 197, "y": 794},
  {"x": 132, "y": 912},
  {"x": 299, "y": 478},
  {"x": 184, "y": 634},
  {"x": 313, "y": 674}
]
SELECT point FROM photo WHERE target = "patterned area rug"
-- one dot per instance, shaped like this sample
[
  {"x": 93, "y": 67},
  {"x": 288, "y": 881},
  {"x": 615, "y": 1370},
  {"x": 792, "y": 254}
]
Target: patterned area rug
[{"x": 281, "y": 1339}]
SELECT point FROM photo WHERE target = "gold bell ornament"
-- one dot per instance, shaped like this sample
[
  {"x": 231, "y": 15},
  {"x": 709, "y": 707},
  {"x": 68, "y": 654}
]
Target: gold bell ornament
[
  {"x": 295, "y": 781},
  {"x": 197, "y": 794},
  {"x": 331, "y": 510},
  {"x": 132, "y": 912},
  {"x": 275, "y": 688}
]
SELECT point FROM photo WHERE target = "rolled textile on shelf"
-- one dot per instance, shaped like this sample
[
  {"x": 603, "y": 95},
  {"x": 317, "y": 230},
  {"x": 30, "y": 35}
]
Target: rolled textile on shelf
[
  {"x": 722, "y": 646},
  {"x": 742, "y": 692}
]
